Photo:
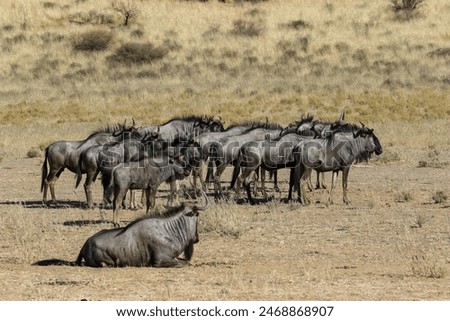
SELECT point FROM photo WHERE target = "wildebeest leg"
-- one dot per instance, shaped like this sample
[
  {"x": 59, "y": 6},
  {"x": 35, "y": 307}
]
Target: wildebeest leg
[
  {"x": 309, "y": 180},
  {"x": 50, "y": 183},
  {"x": 132, "y": 203},
  {"x": 174, "y": 191},
  {"x": 143, "y": 197},
  {"x": 322, "y": 180},
  {"x": 119, "y": 195},
  {"x": 345, "y": 172},
  {"x": 90, "y": 178},
  {"x": 169, "y": 262},
  {"x": 217, "y": 176},
  {"x": 333, "y": 185},
  {"x": 252, "y": 177},
  {"x": 150, "y": 195},
  {"x": 305, "y": 176},
  {"x": 275, "y": 180},
  {"x": 263, "y": 183}
]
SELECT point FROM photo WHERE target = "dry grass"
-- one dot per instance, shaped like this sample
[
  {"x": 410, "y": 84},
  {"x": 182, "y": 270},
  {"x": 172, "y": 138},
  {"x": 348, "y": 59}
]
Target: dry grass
[
  {"x": 305, "y": 56},
  {"x": 285, "y": 58}
]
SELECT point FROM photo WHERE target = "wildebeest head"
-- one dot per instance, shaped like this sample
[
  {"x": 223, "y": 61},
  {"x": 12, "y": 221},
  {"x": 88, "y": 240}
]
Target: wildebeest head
[
  {"x": 372, "y": 142},
  {"x": 216, "y": 125},
  {"x": 128, "y": 132}
]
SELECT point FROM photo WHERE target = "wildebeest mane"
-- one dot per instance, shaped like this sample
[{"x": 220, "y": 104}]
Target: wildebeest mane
[
  {"x": 265, "y": 126},
  {"x": 347, "y": 128},
  {"x": 251, "y": 124},
  {"x": 108, "y": 129},
  {"x": 187, "y": 118},
  {"x": 172, "y": 212}
]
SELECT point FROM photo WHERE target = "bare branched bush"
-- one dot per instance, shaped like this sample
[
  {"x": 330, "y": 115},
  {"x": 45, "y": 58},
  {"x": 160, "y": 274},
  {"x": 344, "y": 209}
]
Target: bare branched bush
[
  {"x": 134, "y": 53},
  {"x": 95, "y": 40},
  {"x": 128, "y": 9}
]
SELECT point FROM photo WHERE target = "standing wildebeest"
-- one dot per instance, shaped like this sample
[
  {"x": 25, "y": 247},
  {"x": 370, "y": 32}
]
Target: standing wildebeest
[
  {"x": 184, "y": 128},
  {"x": 226, "y": 150},
  {"x": 65, "y": 154},
  {"x": 343, "y": 146},
  {"x": 269, "y": 155},
  {"x": 156, "y": 240},
  {"x": 180, "y": 130},
  {"x": 147, "y": 175},
  {"x": 206, "y": 140},
  {"x": 103, "y": 158}
]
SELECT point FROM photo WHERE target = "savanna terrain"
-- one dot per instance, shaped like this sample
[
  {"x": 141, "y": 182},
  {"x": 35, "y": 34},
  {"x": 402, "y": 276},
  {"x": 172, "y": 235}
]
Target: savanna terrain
[{"x": 68, "y": 67}]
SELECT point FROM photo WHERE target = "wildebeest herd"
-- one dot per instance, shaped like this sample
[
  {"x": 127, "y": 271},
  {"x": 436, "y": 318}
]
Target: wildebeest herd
[{"x": 131, "y": 158}]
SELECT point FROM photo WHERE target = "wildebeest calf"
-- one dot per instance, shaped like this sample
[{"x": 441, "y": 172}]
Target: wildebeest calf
[{"x": 146, "y": 175}]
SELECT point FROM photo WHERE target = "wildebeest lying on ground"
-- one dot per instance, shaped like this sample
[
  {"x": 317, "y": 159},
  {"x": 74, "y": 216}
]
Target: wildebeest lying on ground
[{"x": 156, "y": 240}]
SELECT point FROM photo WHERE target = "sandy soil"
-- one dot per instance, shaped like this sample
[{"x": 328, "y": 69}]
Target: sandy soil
[{"x": 376, "y": 248}]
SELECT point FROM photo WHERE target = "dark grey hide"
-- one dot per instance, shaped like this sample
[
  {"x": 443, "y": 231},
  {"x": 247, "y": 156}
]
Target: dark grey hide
[
  {"x": 146, "y": 175},
  {"x": 269, "y": 155},
  {"x": 65, "y": 154},
  {"x": 226, "y": 151},
  {"x": 344, "y": 146}
]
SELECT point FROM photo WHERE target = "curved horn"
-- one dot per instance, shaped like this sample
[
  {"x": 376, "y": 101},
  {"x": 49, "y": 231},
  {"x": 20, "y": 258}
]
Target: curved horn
[
  {"x": 124, "y": 123},
  {"x": 134, "y": 123},
  {"x": 362, "y": 124},
  {"x": 206, "y": 203}
]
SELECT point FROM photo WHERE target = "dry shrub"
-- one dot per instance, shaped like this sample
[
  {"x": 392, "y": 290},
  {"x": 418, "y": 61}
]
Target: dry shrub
[
  {"x": 440, "y": 53},
  {"x": 222, "y": 220},
  {"x": 439, "y": 197},
  {"x": 246, "y": 28},
  {"x": 94, "y": 40},
  {"x": 297, "y": 25},
  {"x": 34, "y": 152},
  {"x": 423, "y": 267},
  {"x": 406, "y": 9},
  {"x": 133, "y": 53},
  {"x": 433, "y": 159},
  {"x": 403, "y": 197},
  {"x": 92, "y": 17}
]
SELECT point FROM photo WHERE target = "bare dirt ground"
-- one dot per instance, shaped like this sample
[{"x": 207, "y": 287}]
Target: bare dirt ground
[{"x": 391, "y": 243}]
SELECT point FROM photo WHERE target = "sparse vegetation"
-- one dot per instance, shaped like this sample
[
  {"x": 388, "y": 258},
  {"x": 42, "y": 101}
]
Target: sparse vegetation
[
  {"x": 134, "y": 53},
  {"x": 34, "y": 152},
  {"x": 406, "y": 9},
  {"x": 433, "y": 159},
  {"x": 403, "y": 197},
  {"x": 95, "y": 40},
  {"x": 128, "y": 9},
  {"x": 426, "y": 268},
  {"x": 439, "y": 197},
  {"x": 247, "y": 28}
]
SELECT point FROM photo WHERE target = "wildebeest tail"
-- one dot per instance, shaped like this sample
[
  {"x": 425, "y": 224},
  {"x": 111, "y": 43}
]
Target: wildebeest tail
[
  {"x": 236, "y": 170},
  {"x": 44, "y": 170},
  {"x": 212, "y": 156},
  {"x": 79, "y": 170},
  {"x": 54, "y": 262}
]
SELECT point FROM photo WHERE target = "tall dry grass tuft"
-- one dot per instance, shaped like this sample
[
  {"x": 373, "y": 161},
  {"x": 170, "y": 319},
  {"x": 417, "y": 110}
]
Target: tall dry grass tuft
[{"x": 223, "y": 220}]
